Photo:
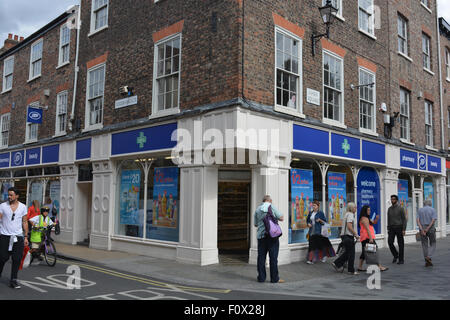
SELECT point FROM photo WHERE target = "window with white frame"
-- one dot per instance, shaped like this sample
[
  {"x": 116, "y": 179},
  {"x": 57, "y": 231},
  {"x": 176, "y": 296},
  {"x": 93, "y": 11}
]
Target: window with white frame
[
  {"x": 31, "y": 132},
  {"x": 61, "y": 112},
  {"x": 367, "y": 100},
  {"x": 36, "y": 59},
  {"x": 64, "y": 45},
  {"x": 426, "y": 51},
  {"x": 404, "y": 114},
  {"x": 8, "y": 70},
  {"x": 402, "y": 35},
  {"x": 429, "y": 123},
  {"x": 4, "y": 125},
  {"x": 99, "y": 17},
  {"x": 366, "y": 19},
  {"x": 95, "y": 95},
  {"x": 332, "y": 87},
  {"x": 426, "y": 3},
  {"x": 337, "y": 4},
  {"x": 288, "y": 71},
  {"x": 167, "y": 77},
  {"x": 447, "y": 62}
]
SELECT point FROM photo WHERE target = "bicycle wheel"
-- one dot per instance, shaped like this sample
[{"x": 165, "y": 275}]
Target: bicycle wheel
[{"x": 50, "y": 253}]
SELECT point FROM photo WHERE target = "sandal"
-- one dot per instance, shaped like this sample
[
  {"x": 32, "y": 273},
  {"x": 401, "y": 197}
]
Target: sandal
[
  {"x": 384, "y": 269},
  {"x": 362, "y": 270}
]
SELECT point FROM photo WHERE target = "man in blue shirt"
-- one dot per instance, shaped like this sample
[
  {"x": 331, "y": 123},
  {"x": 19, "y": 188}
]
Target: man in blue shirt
[
  {"x": 426, "y": 217},
  {"x": 266, "y": 243}
]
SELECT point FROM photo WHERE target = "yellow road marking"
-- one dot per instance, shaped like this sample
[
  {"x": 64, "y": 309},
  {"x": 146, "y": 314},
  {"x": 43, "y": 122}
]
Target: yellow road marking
[{"x": 144, "y": 280}]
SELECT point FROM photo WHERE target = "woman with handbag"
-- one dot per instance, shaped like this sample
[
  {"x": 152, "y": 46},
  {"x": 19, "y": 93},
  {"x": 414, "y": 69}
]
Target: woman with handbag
[
  {"x": 348, "y": 235},
  {"x": 367, "y": 236},
  {"x": 319, "y": 246}
]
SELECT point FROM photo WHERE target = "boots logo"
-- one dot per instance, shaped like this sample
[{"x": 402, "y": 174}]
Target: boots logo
[
  {"x": 422, "y": 162},
  {"x": 34, "y": 115},
  {"x": 17, "y": 158}
]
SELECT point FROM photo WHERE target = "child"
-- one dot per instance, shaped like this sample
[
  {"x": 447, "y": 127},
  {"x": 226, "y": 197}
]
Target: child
[{"x": 40, "y": 221}]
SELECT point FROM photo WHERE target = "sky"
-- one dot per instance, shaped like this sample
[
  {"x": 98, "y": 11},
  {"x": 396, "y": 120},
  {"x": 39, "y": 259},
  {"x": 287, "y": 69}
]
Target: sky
[{"x": 23, "y": 17}]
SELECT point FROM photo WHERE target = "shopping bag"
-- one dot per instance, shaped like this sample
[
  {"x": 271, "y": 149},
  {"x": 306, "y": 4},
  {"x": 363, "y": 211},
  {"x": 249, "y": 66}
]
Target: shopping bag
[
  {"x": 418, "y": 236},
  {"x": 26, "y": 258},
  {"x": 326, "y": 230},
  {"x": 371, "y": 247},
  {"x": 371, "y": 257}
]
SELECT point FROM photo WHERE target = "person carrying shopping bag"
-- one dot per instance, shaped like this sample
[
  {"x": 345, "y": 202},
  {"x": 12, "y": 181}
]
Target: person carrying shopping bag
[
  {"x": 348, "y": 236},
  {"x": 319, "y": 246},
  {"x": 367, "y": 235}
]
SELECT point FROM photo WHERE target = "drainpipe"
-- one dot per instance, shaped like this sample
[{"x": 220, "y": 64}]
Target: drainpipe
[
  {"x": 440, "y": 82},
  {"x": 77, "y": 69}
]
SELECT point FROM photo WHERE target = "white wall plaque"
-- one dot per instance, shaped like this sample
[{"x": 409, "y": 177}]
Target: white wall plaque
[
  {"x": 313, "y": 96},
  {"x": 129, "y": 101}
]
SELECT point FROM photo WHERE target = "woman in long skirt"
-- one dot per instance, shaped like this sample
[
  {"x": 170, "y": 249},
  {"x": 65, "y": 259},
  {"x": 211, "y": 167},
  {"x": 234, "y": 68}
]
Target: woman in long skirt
[{"x": 319, "y": 246}]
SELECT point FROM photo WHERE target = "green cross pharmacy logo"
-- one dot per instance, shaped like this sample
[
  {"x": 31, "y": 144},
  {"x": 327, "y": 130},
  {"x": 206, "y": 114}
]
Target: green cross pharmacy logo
[
  {"x": 141, "y": 140},
  {"x": 345, "y": 146}
]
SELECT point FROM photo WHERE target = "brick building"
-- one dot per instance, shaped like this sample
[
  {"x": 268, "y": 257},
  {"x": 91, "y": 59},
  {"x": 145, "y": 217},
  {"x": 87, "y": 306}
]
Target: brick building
[
  {"x": 189, "y": 112},
  {"x": 444, "y": 30},
  {"x": 37, "y": 71}
]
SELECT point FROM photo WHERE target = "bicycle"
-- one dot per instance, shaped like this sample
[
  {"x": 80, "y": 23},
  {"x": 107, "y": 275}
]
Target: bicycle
[{"x": 47, "y": 247}]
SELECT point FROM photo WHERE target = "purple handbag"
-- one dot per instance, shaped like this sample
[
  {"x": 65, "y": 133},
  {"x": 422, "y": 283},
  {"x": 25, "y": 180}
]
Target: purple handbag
[{"x": 273, "y": 229}]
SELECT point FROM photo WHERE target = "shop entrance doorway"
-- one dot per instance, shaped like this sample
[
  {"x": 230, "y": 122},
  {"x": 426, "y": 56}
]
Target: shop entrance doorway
[
  {"x": 85, "y": 208},
  {"x": 234, "y": 219}
]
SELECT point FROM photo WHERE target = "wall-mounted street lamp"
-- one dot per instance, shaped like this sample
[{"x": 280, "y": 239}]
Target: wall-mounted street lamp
[{"x": 327, "y": 13}]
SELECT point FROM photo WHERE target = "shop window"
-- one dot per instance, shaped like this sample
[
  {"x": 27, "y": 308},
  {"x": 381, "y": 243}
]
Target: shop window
[
  {"x": 36, "y": 192},
  {"x": 339, "y": 191},
  {"x": 85, "y": 172},
  {"x": 161, "y": 190},
  {"x": 34, "y": 172},
  {"x": 448, "y": 198},
  {"x": 5, "y": 174},
  {"x": 5, "y": 186},
  {"x": 48, "y": 171},
  {"x": 304, "y": 187},
  {"x": 52, "y": 194},
  {"x": 20, "y": 173},
  {"x": 428, "y": 193},
  {"x": 405, "y": 198}
]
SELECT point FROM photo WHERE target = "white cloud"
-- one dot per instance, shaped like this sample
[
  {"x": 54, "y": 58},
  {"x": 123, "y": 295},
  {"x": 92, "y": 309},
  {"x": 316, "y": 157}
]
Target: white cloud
[
  {"x": 444, "y": 9},
  {"x": 24, "y": 17}
]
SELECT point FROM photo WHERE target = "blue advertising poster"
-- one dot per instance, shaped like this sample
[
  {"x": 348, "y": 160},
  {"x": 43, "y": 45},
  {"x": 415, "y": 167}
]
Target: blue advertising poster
[
  {"x": 302, "y": 190},
  {"x": 165, "y": 196},
  {"x": 337, "y": 201},
  {"x": 403, "y": 194},
  {"x": 428, "y": 192},
  {"x": 368, "y": 185},
  {"x": 129, "y": 197}
]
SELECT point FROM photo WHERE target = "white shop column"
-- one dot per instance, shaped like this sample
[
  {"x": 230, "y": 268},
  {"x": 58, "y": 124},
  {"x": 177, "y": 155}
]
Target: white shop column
[
  {"x": 198, "y": 215},
  {"x": 273, "y": 182},
  {"x": 441, "y": 206}
]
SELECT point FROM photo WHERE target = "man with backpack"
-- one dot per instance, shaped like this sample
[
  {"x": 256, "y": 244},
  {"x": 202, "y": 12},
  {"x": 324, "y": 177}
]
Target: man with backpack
[{"x": 266, "y": 243}]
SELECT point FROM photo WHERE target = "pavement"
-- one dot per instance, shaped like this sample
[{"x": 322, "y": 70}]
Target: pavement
[{"x": 409, "y": 281}]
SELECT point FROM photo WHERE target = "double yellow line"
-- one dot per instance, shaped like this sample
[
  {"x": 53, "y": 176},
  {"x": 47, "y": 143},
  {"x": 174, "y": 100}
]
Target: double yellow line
[{"x": 143, "y": 280}]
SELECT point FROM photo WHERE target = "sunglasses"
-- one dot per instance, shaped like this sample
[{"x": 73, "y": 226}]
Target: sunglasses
[{"x": 12, "y": 218}]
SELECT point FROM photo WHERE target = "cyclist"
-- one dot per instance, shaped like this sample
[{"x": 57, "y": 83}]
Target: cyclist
[{"x": 38, "y": 222}]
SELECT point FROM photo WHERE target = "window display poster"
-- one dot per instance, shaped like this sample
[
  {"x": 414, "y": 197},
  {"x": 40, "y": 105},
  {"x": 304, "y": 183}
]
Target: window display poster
[
  {"x": 165, "y": 196},
  {"x": 403, "y": 195},
  {"x": 55, "y": 188},
  {"x": 301, "y": 197},
  {"x": 37, "y": 190},
  {"x": 129, "y": 197},
  {"x": 5, "y": 187},
  {"x": 428, "y": 192},
  {"x": 337, "y": 198},
  {"x": 302, "y": 193},
  {"x": 369, "y": 194}
]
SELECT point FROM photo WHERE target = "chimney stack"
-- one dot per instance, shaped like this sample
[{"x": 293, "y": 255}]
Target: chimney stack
[{"x": 10, "y": 42}]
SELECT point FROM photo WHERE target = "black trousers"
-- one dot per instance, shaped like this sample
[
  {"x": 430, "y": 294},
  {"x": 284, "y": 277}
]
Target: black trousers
[
  {"x": 271, "y": 246},
  {"x": 16, "y": 254},
  {"x": 349, "y": 255},
  {"x": 396, "y": 231}
]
